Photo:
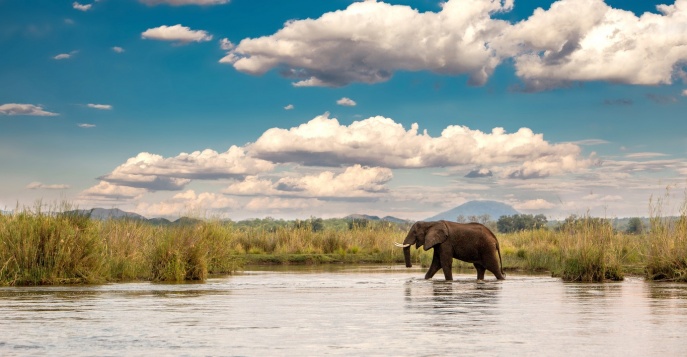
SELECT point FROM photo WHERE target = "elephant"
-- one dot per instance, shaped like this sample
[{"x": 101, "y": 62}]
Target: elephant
[{"x": 470, "y": 242}]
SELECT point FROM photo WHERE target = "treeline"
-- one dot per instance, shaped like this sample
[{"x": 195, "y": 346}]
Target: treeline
[
  {"x": 316, "y": 224},
  {"x": 525, "y": 222}
]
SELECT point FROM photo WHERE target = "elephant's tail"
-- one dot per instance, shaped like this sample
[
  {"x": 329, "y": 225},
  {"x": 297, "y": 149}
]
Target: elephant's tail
[{"x": 498, "y": 250}]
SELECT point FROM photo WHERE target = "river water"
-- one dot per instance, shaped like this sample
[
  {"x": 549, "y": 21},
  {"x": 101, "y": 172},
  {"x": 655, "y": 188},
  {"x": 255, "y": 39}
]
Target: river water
[{"x": 347, "y": 311}]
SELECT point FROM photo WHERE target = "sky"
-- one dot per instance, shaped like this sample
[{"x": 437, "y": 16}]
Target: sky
[{"x": 250, "y": 109}]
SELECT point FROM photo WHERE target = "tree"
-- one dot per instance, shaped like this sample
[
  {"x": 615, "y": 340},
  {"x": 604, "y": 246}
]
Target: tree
[
  {"x": 635, "y": 226},
  {"x": 520, "y": 222}
]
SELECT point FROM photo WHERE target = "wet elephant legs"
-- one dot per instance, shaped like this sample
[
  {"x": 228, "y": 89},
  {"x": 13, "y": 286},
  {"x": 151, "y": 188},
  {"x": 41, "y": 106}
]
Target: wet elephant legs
[
  {"x": 480, "y": 271},
  {"x": 442, "y": 259}
]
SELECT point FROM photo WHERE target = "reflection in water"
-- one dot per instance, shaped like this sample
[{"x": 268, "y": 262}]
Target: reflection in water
[{"x": 350, "y": 311}]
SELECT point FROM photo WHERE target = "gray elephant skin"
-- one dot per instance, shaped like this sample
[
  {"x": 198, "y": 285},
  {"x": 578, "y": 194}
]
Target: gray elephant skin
[{"x": 470, "y": 242}]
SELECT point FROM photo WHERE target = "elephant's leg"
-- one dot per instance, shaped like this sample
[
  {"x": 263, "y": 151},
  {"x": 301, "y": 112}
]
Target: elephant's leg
[
  {"x": 492, "y": 264},
  {"x": 447, "y": 266},
  {"x": 436, "y": 264},
  {"x": 446, "y": 258},
  {"x": 480, "y": 271}
]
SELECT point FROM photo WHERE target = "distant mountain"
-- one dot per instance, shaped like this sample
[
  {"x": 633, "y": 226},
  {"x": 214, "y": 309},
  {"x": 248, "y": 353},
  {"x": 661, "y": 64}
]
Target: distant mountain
[
  {"x": 376, "y": 218},
  {"x": 108, "y": 213},
  {"x": 476, "y": 208}
]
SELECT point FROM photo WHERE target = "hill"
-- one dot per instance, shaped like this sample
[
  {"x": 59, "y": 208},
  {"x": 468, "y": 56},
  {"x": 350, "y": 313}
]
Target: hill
[
  {"x": 108, "y": 213},
  {"x": 476, "y": 208},
  {"x": 375, "y": 218}
]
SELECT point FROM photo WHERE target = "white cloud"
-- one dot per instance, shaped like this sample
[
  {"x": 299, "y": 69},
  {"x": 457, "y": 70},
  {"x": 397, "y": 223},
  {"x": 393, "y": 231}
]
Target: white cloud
[
  {"x": 354, "y": 182},
  {"x": 184, "y": 2},
  {"x": 155, "y": 172},
  {"x": 348, "y": 102},
  {"x": 186, "y": 202},
  {"x": 81, "y": 7},
  {"x": 107, "y": 191},
  {"x": 38, "y": 185},
  {"x": 225, "y": 44},
  {"x": 259, "y": 204},
  {"x": 100, "y": 106},
  {"x": 370, "y": 40},
  {"x": 62, "y": 56},
  {"x": 381, "y": 142},
  {"x": 24, "y": 109},
  {"x": 178, "y": 33},
  {"x": 684, "y": 93},
  {"x": 117, "y": 49},
  {"x": 86, "y": 125},
  {"x": 533, "y": 205},
  {"x": 573, "y": 40},
  {"x": 289, "y": 107},
  {"x": 587, "y": 40}
]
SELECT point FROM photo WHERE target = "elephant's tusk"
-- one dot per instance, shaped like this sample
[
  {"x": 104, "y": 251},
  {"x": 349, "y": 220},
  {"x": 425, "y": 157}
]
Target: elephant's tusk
[{"x": 401, "y": 245}]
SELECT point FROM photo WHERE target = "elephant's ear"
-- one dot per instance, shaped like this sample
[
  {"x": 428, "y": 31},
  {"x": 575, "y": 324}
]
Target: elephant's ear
[{"x": 436, "y": 234}]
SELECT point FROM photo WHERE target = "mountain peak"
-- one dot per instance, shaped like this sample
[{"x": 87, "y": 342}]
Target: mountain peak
[{"x": 476, "y": 208}]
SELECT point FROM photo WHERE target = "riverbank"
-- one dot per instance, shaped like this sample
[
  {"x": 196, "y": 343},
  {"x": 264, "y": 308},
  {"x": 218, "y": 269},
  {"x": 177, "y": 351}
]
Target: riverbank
[{"x": 39, "y": 248}]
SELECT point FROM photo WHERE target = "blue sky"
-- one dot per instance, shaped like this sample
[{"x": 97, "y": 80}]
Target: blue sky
[{"x": 246, "y": 109}]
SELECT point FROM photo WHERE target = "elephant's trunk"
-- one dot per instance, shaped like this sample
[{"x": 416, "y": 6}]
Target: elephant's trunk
[{"x": 406, "y": 254}]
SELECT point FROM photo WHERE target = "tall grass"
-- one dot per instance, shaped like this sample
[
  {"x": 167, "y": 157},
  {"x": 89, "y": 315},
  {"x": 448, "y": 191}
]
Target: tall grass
[
  {"x": 590, "y": 251},
  {"x": 39, "y": 247},
  {"x": 586, "y": 251},
  {"x": 667, "y": 257},
  {"x": 49, "y": 249}
]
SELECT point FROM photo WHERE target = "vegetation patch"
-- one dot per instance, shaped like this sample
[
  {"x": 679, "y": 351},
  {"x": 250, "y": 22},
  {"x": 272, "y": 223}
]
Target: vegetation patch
[{"x": 39, "y": 247}]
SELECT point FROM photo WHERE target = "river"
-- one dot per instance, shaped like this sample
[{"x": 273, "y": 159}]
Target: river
[{"x": 347, "y": 311}]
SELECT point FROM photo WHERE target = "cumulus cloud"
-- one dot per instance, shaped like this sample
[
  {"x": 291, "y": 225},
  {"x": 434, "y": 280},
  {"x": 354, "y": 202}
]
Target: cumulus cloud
[
  {"x": 370, "y": 40},
  {"x": 155, "y": 172},
  {"x": 100, "y": 106},
  {"x": 573, "y": 40},
  {"x": 225, "y": 44},
  {"x": 86, "y": 125},
  {"x": 187, "y": 202},
  {"x": 289, "y": 107},
  {"x": 24, "y": 109},
  {"x": 117, "y": 49},
  {"x": 80, "y": 7},
  {"x": 108, "y": 191},
  {"x": 587, "y": 40},
  {"x": 38, "y": 185},
  {"x": 381, "y": 142},
  {"x": 184, "y": 2},
  {"x": 177, "y": 32},
  {"x": 354, "y": 182},
  {"x": 684, "y": 93},
  {"x": 348, "y": 102}
]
